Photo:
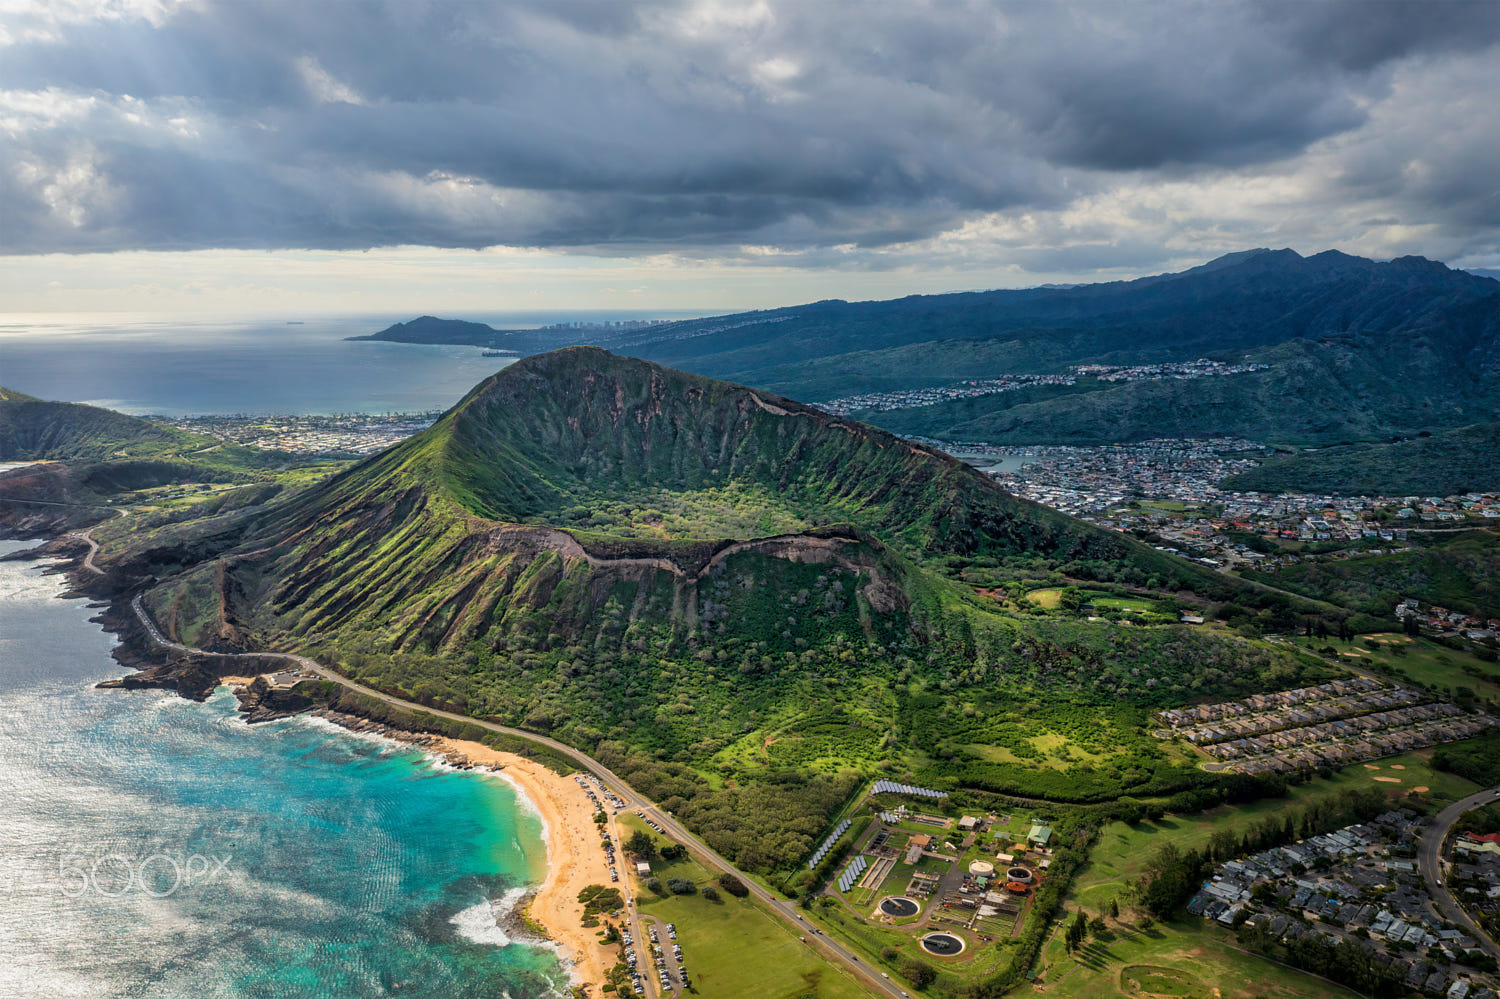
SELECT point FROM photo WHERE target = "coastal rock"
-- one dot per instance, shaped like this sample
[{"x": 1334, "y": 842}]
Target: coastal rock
[
  {"x": 260, "y": 702},
  {"x": 194, "y": 677}
]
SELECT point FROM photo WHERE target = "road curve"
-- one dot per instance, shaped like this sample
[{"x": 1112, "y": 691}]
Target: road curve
[
  {"x": 1430, "y": 863},
  {"x": 701, "y": 851}
]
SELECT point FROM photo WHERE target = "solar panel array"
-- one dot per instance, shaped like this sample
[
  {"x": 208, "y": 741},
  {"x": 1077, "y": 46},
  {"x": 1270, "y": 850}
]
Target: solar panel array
[
  {"x": 890, "y": 818},
  {"x": 888, "y": 787},
  {"x": 855, "y": 868},
  {"x": 822, "y": 851}
]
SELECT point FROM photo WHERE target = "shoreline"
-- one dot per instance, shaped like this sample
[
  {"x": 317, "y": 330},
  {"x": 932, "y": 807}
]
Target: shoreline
[
  {"x": 570, "y": 839},
  {"x": 574, "y": 857}
]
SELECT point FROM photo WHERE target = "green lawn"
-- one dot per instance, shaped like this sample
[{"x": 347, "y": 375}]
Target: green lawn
[
  {"x": 1187, "y": 958},
  {"x": 735, "y": 949},
  {"x": 1125, "y": 603},
  {"x": 1419, "y": 660},
  {"x": 1048, "y": 598}
]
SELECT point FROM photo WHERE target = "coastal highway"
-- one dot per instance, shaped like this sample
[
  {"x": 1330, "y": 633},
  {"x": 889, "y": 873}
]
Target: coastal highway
[
  {"x": 701, "y": 851},
  {"x": 1430, "y": 863}
]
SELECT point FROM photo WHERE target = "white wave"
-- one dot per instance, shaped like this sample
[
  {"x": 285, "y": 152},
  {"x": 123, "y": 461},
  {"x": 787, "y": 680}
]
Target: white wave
[
  {"x": 477, "y": 924},
  {"x": 481, "y": 923},
  {"x": 388, "y": 747},
  {"x": 507, "y": 903}
]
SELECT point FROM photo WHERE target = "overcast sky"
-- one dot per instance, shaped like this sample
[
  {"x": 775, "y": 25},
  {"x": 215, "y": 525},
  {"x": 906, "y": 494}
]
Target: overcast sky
[{"x": 271, "y": 155}]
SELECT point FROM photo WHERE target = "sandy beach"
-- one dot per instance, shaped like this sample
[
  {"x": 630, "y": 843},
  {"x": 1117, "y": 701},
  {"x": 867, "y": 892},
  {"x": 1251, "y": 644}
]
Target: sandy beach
[{"x": 574, "y": 859}]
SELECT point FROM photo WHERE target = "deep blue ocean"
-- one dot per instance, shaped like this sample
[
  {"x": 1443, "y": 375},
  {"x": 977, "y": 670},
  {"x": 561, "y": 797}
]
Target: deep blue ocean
[
  {"x": 153, "y": 847},
  {"x": 172, "y": 367}
]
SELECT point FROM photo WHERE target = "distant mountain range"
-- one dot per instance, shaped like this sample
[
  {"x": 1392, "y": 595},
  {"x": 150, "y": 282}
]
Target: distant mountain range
[{"x": 1357, "y": 351}]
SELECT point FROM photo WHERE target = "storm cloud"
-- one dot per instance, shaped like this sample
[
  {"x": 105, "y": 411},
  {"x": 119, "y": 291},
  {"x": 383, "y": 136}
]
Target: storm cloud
[{"x": 711, "y": 127}]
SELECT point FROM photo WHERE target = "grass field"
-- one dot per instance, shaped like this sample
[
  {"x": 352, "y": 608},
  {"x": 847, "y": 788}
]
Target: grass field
[
  {"x": 1419, "y": 659},
  {"x": 1048, "y": 599},
  {"x": 734, "y": 949},
  {"x": 1126, "y": 603},
  {"x": 1181, "y": 959}
]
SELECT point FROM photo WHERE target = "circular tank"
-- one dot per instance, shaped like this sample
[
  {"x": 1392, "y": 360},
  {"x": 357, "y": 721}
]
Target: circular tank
[
  {"x": 981, "y": 868},
  {"x": 1021, "y": 874},
  {"x": 942, "y": 944},
  {"x": 899, "y": 906}
]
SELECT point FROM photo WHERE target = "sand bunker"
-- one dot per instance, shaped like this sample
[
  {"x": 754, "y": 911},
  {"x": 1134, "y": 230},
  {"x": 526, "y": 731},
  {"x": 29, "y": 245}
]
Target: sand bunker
[
  {"x": 1390, "y": 780},
  {"x": 1371, "y": 766},
  {"x": 1420, "y": 789},
  {"x": 1398, "y": 766}
]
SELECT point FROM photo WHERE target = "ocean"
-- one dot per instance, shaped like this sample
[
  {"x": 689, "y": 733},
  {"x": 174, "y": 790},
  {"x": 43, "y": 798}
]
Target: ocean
[
  {"x": 154, "y": 848},
  {"x": 173, "y": 367}
]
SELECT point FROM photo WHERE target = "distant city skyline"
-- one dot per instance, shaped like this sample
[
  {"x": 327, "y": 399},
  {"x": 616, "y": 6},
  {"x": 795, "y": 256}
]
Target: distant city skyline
[{"x": 209, "y": 156}]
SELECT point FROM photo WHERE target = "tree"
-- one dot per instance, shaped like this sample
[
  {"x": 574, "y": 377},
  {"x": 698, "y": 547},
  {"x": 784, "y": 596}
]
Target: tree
[
  {"x": 711, "y": 893},
  {"x": 641, "y": 845},
  {"x": 1114, "y": 908},
  {"x": 1077, "y": 930},
  {"x": 733, "y": 885},
  {"x": 681, "y": 886},
  {"x": 919, "y": 974}
]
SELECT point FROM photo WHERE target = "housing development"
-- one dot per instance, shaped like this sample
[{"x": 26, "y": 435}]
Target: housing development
[
  {"x": 1355, "y": 887},
  {"x": 971, "y": 389},
  {"x": 1330, "y": 725}
]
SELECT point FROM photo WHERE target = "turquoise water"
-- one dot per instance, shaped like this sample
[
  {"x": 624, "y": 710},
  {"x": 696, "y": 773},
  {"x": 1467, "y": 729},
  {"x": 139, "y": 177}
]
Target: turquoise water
[{"x": 152, "y": 847}]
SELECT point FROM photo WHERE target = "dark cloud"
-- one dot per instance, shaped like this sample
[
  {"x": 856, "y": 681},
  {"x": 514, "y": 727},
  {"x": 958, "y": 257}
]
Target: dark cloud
[
  {"x": 601, "y": 123},
  {"x": 1365, "y": 34}
]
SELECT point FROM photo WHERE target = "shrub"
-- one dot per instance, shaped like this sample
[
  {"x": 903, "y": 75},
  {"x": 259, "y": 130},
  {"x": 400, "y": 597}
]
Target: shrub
[{"x": 919, "y": 974}]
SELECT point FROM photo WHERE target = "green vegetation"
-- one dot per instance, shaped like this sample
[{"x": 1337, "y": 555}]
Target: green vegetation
[
  {"x": 32, "y": 430},
  {"x": 1179, "y": 958},
  {"x": 1442, "y": 464},
  {"x": 1476, "y": 760},
  {"x": 1459, "y": 570},
  {"x": 719, "y": 937},
  {"x": 1447, "y": 671},
  {"x": 751, "y": 685},
  {"x": 598, "y": 899}
]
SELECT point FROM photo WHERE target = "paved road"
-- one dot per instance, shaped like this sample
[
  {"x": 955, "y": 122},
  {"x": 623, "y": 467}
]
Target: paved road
[
  {"x": 701, "y": 852},
  {"x": 1430, "y": 863}
]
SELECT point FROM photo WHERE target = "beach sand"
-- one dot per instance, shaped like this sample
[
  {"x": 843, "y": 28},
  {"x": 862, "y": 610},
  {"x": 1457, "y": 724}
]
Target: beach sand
[{"x": 574, "y": 858}]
